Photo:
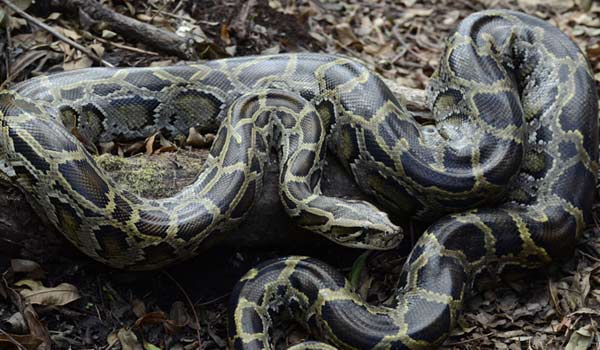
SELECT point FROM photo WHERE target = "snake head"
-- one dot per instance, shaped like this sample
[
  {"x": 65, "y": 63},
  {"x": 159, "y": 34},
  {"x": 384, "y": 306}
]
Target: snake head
[
  {"x": 377, "y": 237},
  {"x": 359, "y": 224}
]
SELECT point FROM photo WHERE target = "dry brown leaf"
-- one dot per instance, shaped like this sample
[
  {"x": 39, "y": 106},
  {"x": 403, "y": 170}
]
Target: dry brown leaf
[
  {"x": 149, "y": 143},
  {"x": 195, "y": 139},
  {"x": 71, "y": 34},
  {"x": 159, "y": 317},
  {"x": 162, "y": 63},
  {"x": 31, "y": 268},
  {"x": 130, "y": 8},
  {"x": 345, "y": 34},
  {"x": 144, "y": 17},
  {"x": 179, "y": 314},
  {"x": 132, "y": 149},
  {"x": 80, "y": 62},
  {"x": 53, "y": 16},
  {"x": 36, "y": 293},
  {"x": 138, "y": 307},
  {"x": 165, "y": 145},
  {"x": 32, "y": 40},
  {"x": 26, "y": 60},
  {"x": 107, "y": 34},
  {"x": 98, "y": 49},
  {"x": 106, "y": 147},
  {"x": 155, "y": 317},
  {"x": 36, "y": 327},
  {"x": 419, "y": 12},
  {"x": 18, "y": 342},
  {"x": 593, "y": 51},
  {"x": 128, "y": 340}
]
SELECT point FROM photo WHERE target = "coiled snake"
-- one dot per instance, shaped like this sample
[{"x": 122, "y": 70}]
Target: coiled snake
[{"x": 508, "y": 167}]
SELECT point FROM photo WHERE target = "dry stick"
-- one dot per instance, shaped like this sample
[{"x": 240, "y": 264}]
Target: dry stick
[
  {"x": 125, "y": 47},
  {"x": 469, "y": 340},
  {"x": 239, "y": 23},
  {"x": 52, "y": 31},
  {"x": 8, "y": 50},
  {"x": 130, "y": 28},
  {"x": 13, "y": 340},
  {"x": 189, "y": 301}
]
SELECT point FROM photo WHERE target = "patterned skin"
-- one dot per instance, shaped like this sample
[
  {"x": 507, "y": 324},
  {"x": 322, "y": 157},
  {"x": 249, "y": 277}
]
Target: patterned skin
[{"x": 507, "y": 170}]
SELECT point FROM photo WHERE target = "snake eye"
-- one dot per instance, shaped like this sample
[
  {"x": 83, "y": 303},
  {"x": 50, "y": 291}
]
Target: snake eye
[{"x": 429, "y": 129}]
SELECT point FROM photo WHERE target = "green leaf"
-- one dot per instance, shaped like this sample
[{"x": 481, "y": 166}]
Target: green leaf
[
  {"x": 150, "y": 346},
  {"x": 357, "y": 268}
]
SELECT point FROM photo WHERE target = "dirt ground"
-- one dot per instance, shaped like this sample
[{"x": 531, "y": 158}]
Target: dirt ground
[{"x": 63, "y": 300}]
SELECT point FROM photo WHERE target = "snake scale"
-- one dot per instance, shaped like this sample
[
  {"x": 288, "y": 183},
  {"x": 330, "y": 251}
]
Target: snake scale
[{"x": 507, "y": 170}]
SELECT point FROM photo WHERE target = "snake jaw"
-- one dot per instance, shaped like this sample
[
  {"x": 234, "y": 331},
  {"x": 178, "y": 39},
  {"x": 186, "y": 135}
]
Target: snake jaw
[{"x": 382, "y": 235}]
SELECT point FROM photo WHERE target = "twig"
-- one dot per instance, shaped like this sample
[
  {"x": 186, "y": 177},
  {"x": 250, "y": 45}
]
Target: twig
[
  {"x": 189, "y": 301},
  {"x": 131, "y": 29},
  {"x": 52, "y": 31},
  {"x": 13, "y": 340},
  {"x": 214, "y": 300},
  {"x": 469, "y": 340},
  {"x": 8, "y": 50},
  {"x": 125, "y": 47},
  {"x": 239, "y": 23}
]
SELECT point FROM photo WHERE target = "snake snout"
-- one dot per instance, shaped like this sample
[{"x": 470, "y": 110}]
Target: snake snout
[{"x": 381, "y": 236}]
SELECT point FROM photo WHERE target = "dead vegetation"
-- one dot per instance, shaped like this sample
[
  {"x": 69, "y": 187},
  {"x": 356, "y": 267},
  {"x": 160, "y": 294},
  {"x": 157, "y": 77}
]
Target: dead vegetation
[{"x": 64, "y": 300}]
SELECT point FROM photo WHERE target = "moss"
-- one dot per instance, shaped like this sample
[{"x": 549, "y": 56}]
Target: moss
[{"x": 155, "y": 176}]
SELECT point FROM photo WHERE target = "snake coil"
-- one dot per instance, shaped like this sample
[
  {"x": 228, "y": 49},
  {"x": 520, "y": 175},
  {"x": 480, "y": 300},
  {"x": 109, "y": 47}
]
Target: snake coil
[{"x": 507, "y": 169}]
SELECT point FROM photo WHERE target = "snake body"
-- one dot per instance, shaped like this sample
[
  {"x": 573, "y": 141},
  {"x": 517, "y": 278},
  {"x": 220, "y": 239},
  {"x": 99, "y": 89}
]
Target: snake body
[{"x": 507, "y": 169}]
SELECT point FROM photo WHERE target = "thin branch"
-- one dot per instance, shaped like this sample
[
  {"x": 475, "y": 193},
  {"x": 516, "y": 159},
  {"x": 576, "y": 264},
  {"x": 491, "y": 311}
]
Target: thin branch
[
  {"x": 130, "y": 28},
  {"x": 52, "y": 31},
  {"x": 8, "y": 49},
  {"x": 124, "y": 47},
  {"x": 189, "y": 301},
  {"x": 13, "y": 340},
  {"x": 240, "y": 23}
]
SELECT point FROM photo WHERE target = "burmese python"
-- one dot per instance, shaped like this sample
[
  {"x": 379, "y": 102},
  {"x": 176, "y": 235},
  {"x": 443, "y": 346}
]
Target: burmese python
[{"x": 515, "y": 136}]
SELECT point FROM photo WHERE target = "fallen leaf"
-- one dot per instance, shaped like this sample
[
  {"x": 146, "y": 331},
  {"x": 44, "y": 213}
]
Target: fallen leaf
[
  {"x": 107, "y": 34},
  {"x": 144, "y": 18},
  {"x": 138, "y": 307},
  {"x": 581, "y": 339},
  {"x": 36, "y": 327},
  {"x": 54, "y": 16},
  {"x": 60, "y": 295},
  {"x": 155, "y": 317},
  {"x": 419, "y": 12},
  {"x": 271, "y": 50},
  {"x": 179, "y": 314},
  {"x": 149, "y": 142},
  {"x": 195, "y": 139},
  {"x": 98, "y": 49},
  {"x": 25, "y": 266},
  {"x": 162, "y": 63},
  {"x": 345, "y": 34},
  {"x": 128, "y": 339},
  {"x": 29, "y": 341},
  {"x": 83, "y": 61}
]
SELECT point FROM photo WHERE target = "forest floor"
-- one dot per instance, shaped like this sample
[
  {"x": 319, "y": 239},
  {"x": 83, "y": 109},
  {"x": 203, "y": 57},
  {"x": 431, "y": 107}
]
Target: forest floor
[{"x": 68, "y": 301}]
